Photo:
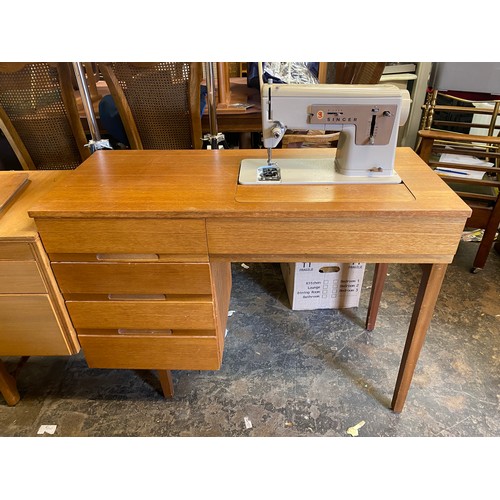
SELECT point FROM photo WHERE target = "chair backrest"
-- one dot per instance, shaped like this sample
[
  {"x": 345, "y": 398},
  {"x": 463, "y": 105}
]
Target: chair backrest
[
  {"x": 39, "y": 116},
  {"x": 159, "y": 103},
  {"x": 443, "y": 111}
]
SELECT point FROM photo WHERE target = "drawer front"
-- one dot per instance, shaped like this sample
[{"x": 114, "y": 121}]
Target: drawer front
[
  {"x": 123, "y": 236},
  {"x": 13, "y": 250},
  {"x": 28, "y": 327},
  {"x": 133, "y": 278},
  {"x": 370, "y": 241},
  {"x": 142, "y": 315},
  {"x": 20, "y": 277},
  {"x": 151, "y": 352}
]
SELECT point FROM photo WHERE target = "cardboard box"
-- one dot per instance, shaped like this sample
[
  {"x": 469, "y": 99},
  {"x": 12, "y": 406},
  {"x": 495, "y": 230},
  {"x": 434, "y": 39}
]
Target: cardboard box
[{"x": 323, "y": 285}]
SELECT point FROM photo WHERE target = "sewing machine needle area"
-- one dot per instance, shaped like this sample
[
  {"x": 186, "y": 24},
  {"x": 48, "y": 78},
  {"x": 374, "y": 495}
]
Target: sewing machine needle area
[{"x": 254, "y": 171}]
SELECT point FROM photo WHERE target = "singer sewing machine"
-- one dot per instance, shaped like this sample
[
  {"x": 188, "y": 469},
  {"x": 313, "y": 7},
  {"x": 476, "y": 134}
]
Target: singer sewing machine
[{"x": 367, "y": 116}]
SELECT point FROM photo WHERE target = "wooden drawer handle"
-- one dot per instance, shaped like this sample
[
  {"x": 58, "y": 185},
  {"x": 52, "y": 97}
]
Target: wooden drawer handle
[
  {"x": 127, "y": 257},
  {"x": 132, "y": 296},
  {"x": 131, "y": 331}
]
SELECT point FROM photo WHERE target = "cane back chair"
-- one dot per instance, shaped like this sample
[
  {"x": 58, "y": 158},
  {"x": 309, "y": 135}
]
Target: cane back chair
[
  {"x": 159, "y": 103},
  {"x": 39, "y": 115}
]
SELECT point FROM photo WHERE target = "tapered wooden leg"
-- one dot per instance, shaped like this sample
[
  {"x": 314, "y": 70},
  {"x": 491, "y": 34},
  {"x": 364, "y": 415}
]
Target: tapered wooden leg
[
  {"x": 378, "y": 282},
  {"x": 430, "y": 285},
  {"x": 166, "y": 382},
  {"x": 8, "y": 386},
  {"x": 487, "y": 240}
]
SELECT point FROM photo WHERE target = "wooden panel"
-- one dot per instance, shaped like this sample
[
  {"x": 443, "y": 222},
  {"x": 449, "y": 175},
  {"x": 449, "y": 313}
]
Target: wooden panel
[
  {"x": 133, "y": 278},
  {"x": 10, "y": 187},
  {"x": 152, "y": 352},
  {"x": 222, "y": 281},
  {"x": 394, "y": 239},
  {"x": 55, "y": 296},
  {"x": 29, "y": 327},
  {"x": 161, "y": 314},
  {"x": 13, "y": 250},
  {"x": 140, "y": 236},
  {"x": 15, "y": 221},
  {"x": 20, "y": 277}
]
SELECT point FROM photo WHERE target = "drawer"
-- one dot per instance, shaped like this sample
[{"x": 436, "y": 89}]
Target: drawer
[
  {"x": 20, "y": 277},
  {"x": 133, "y": 278},
  {"x": 151, "y": 352},
  {"x": 13, "y": 250},
  {"x": 123, "y": 236},
  {"x": 28, "y": 327},
  {"x": 375, "y": 241},
  {"x": 142, "y": 314}
]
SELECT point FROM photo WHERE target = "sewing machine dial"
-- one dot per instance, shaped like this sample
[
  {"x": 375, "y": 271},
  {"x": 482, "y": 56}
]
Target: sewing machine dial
[{"x": 374, "y": 123}]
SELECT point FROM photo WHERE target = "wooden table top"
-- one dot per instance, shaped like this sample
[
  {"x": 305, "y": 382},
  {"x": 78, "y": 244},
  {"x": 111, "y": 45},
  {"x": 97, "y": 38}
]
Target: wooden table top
[
  {"x": 204, "y": 183},
  {"x": 15, "y": 222},
  {"x": 11, "y": 186}
]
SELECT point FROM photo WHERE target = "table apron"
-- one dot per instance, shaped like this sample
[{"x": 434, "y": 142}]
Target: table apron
[{"x": 339, "y": 240}]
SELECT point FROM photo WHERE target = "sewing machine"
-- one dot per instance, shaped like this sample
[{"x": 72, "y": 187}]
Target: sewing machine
[{"x": 367, "y": 116}]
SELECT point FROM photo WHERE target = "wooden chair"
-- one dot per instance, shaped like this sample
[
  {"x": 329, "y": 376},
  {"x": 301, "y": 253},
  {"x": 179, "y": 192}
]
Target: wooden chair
[
  {"x": 159, "y": 103},
  {"x": 447, "y": 128},
  {"x": 39, "y": 116}
]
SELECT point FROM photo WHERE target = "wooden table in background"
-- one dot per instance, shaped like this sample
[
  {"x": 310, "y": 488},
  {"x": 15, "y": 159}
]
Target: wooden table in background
[{"x": 234, "y": 116}]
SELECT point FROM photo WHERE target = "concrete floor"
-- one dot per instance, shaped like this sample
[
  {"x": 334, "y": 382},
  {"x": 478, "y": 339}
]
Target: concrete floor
[{"x": 296, "y": 373}]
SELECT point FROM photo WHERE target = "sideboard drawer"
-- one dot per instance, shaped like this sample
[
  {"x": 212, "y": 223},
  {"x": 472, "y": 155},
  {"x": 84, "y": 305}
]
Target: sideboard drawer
[
  {"x": 29, "y": 327},
  {"x": 142, "y": 314},
  {"x": 133, "y": 277},
  {"x": 21, "y": 277},
  {"x": 151, "y": 352},
  {"x": 123, "y": 236},
  {"x": 13, "y": 250}
]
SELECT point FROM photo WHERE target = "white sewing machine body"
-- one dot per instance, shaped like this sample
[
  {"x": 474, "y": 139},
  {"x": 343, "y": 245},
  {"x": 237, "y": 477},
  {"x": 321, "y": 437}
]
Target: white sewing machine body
[{"x": 368, "y": 117}]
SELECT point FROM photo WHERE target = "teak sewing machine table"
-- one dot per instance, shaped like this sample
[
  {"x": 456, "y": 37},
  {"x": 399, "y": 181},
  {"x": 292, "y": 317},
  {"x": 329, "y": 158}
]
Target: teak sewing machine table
[{"x": 141, "y": 243}]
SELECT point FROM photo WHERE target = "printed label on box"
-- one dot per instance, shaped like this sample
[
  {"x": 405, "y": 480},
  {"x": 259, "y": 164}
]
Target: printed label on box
[{"x": 323, "y": 285}]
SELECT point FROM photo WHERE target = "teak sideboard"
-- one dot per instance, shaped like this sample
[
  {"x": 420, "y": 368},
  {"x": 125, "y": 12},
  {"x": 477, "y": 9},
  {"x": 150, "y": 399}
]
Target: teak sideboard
[
  {"x": 33, "y": 318},
  {"x": 141, "y": 244}
]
